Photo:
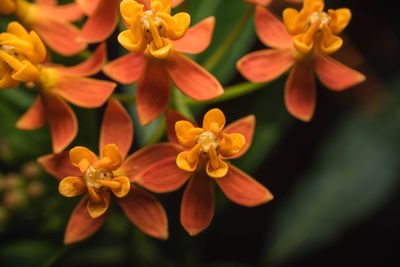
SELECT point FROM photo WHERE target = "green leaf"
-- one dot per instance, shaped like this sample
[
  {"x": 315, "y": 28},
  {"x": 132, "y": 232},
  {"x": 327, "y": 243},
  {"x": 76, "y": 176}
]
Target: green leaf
[{"x": 356, "y": 171}]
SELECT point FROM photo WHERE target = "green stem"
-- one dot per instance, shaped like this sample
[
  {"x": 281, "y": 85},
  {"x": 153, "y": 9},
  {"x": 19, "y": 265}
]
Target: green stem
[
  {"x": 53, "y": 260},
  {"x": 181, "y": 104},
  {"x": 232, "y": 92},
  {"x": 124, "y": 98},
  {"x": 230, "y": 40}
]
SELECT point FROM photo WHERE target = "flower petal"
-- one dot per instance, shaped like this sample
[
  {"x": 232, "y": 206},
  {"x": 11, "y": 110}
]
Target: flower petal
[
  {"x": 62, "y": 121},
  {"x": 265, "y": 65},
  {"x": 34, "y": 118},
  {"x": 101, "y": 23},
  {"x": 175, "y": 3},
  {"x": 243, "y": 189},
  {"x": 99, "y": 204},
  {"x": 68, "y": 12},
  {"x": 81, "y": 225},
  {"x": 84, "y": 92},
  {"x": 163, "y": 176},
  {"x": 300, "y": 95},
  {"x": 197, "y": 38},
  {"x": 117, "y": 127},
  {"x": 198, "y": 204},
  {"x": 82, "y": 157},
  {"x": 172, "y": 117},
  {"x": 90, "y": 66},
  {"x": 59, "y": 165},
  {"x": 111, "y": 158},
  {"x": 246, "y": 127},
  {"x": 214, "y": 120},
  {"x": 216, "y": 167},
  {"x": 188, "y": 160},
  {"x": 231, "y": 144},
  {"x": 145, "y": 157},
  {"x": 271, "y": 30},
  {"x": 335, "y": 75},
  {"x": 125, "y": 186},
  {"x": 260, "y": 2},
  {"x": 186, "y": 133},
  {"x": 59, "y": 35},
  {"x": 192, "y": 79},
  {"x": 126, "y": 69},
  {"x": 152, "y": 92},
  {"x": 72, "y": 186},
  {"x": 144, "y": 211},
  {"x": 88, "y": 6}
]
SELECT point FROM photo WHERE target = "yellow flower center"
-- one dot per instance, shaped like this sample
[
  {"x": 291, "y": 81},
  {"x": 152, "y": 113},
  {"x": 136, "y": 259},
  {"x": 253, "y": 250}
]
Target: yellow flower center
[
  {"x": 153, "y": 28},
  {"x": 206, "y": 140},
  {"x": 92, "y": 175},
  {"x": 322, "y": 18}
]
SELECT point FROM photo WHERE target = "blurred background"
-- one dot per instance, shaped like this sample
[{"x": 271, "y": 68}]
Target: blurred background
[{"x": 336, "y": 180}]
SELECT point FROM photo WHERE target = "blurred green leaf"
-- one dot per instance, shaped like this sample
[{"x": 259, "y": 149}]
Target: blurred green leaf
[{"x": 356, "y": 171}]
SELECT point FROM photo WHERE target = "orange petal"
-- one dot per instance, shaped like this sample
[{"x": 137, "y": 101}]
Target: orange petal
[
  {"x": 34, "y": 118},
  {"x": 192, "y": 79},
  {"x": 62, "y": 121},
  {"x": 152, "y": 92},
  {"x": 172, "y": 117},
  {"x": 246, "y": 127},
  {"x": 98, "y": 206},
  {"x": 271, "y": 30},
  {"x": 216, "y": 167},
  {"x": 175, "y": 3},
  {"x": 214, "y": 120},
  {"x": 126, "y": 69},
  {"x": 188, "y": 160},
  {"x": 186, "y": 133},
  {"x": 335, "y": 75},
  {"x": 144, "y": 211},
  {"x": 90, "y": 66},
  {"x": 46, "y": 2},
  {"x": 59, "y": 165},
  {"x": 265, "y": 65},
  {"x": 84, "y": 92},
  {"x": 72, "y": 186},
  {"x": 243, "y": 189},
  {"x": 88, "y": 6},
  {"x": 101, "y": 23},
  {"x": 260, "y": 2},
  {"x": 59, "y": 36},
  {"x": 81, "y": 225},
  {"x": 68, "y": 12},
  {"x": 231, "y": 144},
  {"x": 117, "y": 127},
  {"x": 300, "y": 95},
  {"x": 197, "y": 38},
  {"x": 198, "y": 204},
  {"x": 163, "y": 176},
  {"x": 123, "y": 189},
  {"x": 145, "y": 157}
]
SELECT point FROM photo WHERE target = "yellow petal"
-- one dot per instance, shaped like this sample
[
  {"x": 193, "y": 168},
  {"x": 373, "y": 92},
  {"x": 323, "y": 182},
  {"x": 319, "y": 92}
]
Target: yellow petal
[
  {"x": 161, "y": 6},
  {"x": 111, "y": 158},
  {"x": 131, "y": 11},
  {"x": 176, "y": 25},
  {"x": 188, "y": 160},
  {"x": 98, "y": 205},
  {"x": 72, "y": 186},
  {"x": 214, "y": 121},
  {"x": 17, "y": 29},
  {"x": 340, "y": 18},
  {"x": 329, "y": 43},
  {"x": 187, "y": 133},
  {"x": 27, "y": 73},
  {"x": 161, "y": 53},
  {"x": 39, "y": 52},
  {"x": 7, "y": 7},
  {"x": 314, "y": 5},
  {"x": 10, "y": 60},
  {"x": 231, "y": 144},
  {"x": 133, "y": 40},
  {"x": 216, "y": 167},
  {"x": 82, "y": 157},
  {"x": 290, "y": 19},
  {"x": 125, "y": 186},
  {"x": 6, "y": 81}
]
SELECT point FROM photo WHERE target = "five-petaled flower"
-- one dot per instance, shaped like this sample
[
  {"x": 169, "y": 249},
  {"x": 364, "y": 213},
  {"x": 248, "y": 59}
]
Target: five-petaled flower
[
  {"x": 202, "y": 159},
  {"x": 154, "y": 38},
  {"x": 303, "y": 44},
  {"x": 53, "y": 23},
  {"x": 21, "y": 60},
  {"x": 103, "y": 18},
  {"x": 81, "y": 172}
]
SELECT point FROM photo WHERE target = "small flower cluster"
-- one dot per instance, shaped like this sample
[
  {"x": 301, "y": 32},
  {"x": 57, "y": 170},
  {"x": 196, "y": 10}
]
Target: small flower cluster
[{"x": 156, "y": 62}]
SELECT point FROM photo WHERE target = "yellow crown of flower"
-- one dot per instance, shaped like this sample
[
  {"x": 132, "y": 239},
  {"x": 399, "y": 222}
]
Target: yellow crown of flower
[
  {"x": 20, "y": 52},
  {"x": 151, "y": 30},
  {"x": 314, "y": 28}
]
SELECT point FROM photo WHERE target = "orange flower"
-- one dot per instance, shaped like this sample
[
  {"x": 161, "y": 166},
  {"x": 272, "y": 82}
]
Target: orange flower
[
  {"x": 103, "y": 18},
  {"x": 21, "y": 60},
  {"x": 267, "y": 2},
  {"x": 302, "y": 44},
  {"x": 81, "y": 173},
  {"x": 154, "y": 38},
  {"x": 201, "y": 158},
  {"x": 51, "y": 22}
]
